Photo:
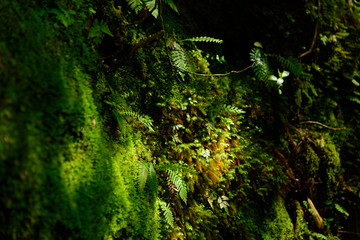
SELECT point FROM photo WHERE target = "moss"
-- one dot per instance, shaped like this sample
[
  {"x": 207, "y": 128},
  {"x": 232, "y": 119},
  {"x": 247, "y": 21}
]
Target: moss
[
  {"x": 278, "y": 223},
  {"x": 300, "y": 225}
]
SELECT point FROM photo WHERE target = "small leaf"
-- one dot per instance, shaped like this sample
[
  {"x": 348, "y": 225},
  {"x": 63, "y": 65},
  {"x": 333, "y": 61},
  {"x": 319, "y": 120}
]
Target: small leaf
[
  {"x": 258, "y": 44},
  {"x": 285, "y": 74},
  {"x": 274, "y": 78},
  {"x": 105, "y": 29},
  {"x": 356, "y": 83}
]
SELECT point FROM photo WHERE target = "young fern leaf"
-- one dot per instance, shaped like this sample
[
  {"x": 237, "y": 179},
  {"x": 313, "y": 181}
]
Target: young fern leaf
[
  {"x": 136, "y": 5},
  {"x": 204, "y": 39},
  {"x": 167, "y": 213}
]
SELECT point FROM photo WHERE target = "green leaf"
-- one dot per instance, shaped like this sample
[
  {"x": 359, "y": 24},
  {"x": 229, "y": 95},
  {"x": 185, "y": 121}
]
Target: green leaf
[
  {"x": 341, "y": 209},
  {"x": 105, "y": 29},
  {"x": 274, "y": 78},
  {"x": 167, "y": 213},
  {"x": 285, "y": 74},
  {"x": 171, "y": 5},
  {"x": 143, "y": 174},
  {"x": 258, "y": 44}
]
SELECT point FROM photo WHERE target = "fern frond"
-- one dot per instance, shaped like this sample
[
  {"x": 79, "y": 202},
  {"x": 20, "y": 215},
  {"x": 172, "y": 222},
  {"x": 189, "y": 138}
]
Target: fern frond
[
  {"x": 143, "y": 175},
  {"x": 341, "y": 209},
  {"x": 204, "y": 39},
  {"x": 179, "y": 59},
  {"x": 176, "y": 179},
  {"x": 292, "y": 64},
  {"x": 261, "y": 66},
  {"x": 143, "y": 119},
  {"x": 167, "y": 214},
  {"x": 233, "y": 109},
  {"x": 319, "y": 236},
  {"x": 147, "y": 177},
  {"x": 354, "y": 99},
  {"x": 152, "y": 181},
  {"x": 136, "y": 5}
]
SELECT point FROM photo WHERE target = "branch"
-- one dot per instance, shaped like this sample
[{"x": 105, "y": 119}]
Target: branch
[
  {"x": 321, "y": 124},
  {"x": 315, "y": 34},
  {"x": 317, "y": 218},
  {"x": 215, "y": 74},
  {"x": 347, "y": 232}
]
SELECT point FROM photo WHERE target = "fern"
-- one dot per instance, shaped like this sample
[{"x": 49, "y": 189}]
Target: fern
[
  {"x": 341, "y": 209},
  {"x": 147, "y": 177},
  {"x": 152, "y": 181},
  {"x": 143, "y": 175},
  {"x": 143, "y": 119},
  {"x": 261, "y": 67},
  {"x": 179, "y": 183},
  {"x": 319, "y": 236},
  {"x": 175, "y": 178},
  {"x": 179, "y": 59},
  {"x": 292, "y": 64},
  {"x": 167, "y": 213},
  {"x": 233, "y": 109},
  {"x": 354, "y": 99},
  {"x": 204, "y": 39},
  {"x": 136, "y": 5}
]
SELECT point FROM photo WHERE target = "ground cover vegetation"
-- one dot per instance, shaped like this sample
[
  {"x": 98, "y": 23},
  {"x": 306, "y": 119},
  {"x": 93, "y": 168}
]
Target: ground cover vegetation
[{"x": 165, "y": 119}]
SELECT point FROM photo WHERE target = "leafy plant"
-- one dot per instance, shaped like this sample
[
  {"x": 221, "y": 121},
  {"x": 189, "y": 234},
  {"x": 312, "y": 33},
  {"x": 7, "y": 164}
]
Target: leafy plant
[
  {"x": 136, "y": 5},
  {"x": 98, "y": 30},
  {"x": 261, "y": 66},
  {"x": 143, "y": 119},
  {"x": 341, "y": 209},
  {"x": 279, "y": 80},
  {"x": 176, "y": 178},
  {"x": 168, "y": 215},
  {"x": 64, "y": 15}
]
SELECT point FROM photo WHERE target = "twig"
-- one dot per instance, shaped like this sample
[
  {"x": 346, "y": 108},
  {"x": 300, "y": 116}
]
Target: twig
[
  {"x": 347, "y": 232},
  {"x": 321, "y": 124},
  {"x": 317, "y": 218},
  {"x": 215, "y": 74},
  {"x": 315, "y": 34}
]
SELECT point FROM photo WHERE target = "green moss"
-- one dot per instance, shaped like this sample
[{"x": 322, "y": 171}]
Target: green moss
[{"x": 278, "y": 223}]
